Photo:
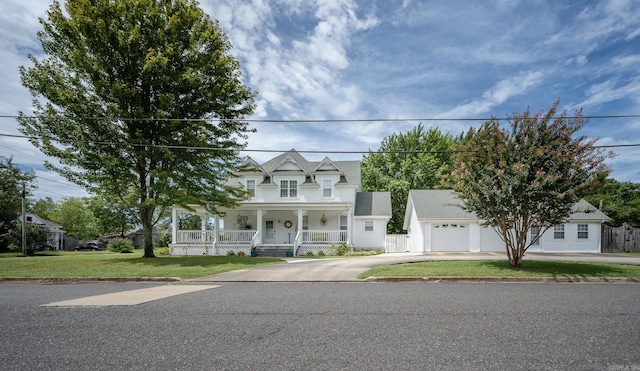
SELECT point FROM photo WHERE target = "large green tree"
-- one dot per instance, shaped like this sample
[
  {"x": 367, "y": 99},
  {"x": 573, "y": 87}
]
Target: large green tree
[
  {"x": 619, "y": 200},
  {"x": 128, "y": 94},
  {"x": 525, "y": 174},
  {"x": 12, "y": 179},
  {"x": 110, "y": 214},
  {"x": 406, "y": 161}
]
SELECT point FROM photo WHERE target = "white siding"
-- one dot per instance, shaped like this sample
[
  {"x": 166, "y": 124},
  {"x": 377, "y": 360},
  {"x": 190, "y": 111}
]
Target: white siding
[
  {"x": 369, "y": 239},
  {"x": 490, "y": 240}
]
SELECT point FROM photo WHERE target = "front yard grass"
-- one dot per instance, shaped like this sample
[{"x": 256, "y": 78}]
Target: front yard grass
[
  {"x": 501, "y": 268},
  {"x": 112, "y": 265}
]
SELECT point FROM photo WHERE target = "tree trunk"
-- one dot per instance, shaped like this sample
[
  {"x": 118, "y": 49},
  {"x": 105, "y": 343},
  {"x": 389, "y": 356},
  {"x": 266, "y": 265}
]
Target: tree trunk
[{"x": 147, "y": 232}]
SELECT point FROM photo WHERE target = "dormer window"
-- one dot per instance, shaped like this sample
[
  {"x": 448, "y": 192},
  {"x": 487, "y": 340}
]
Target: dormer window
[
  {"x": 288, "y": 188},
  {"x": 251, "y": 188}
]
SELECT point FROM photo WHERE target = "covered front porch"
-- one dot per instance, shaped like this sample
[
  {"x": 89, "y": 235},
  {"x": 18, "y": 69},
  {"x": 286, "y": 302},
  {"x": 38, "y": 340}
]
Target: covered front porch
[{"x": 272, "y": 230}]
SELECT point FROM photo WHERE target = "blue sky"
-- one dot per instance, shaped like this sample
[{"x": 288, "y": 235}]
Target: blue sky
[{"x": 395, "y": 59}]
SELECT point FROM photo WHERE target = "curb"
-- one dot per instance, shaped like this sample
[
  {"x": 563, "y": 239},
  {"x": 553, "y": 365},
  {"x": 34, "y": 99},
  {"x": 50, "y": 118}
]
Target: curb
[
  {"x": 53, "y": 280},
  {"x": 507, "y": 279}
]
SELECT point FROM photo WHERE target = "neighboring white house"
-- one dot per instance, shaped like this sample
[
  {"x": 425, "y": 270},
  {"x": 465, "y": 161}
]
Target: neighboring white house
[
  {"x": 291, "y": 204},
  {"x": 54, "y": 231},
  {"x": 436, "y": 222}
]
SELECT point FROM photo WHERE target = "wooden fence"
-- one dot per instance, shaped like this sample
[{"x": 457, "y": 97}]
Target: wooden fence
[{"x": 620, "y": 239}]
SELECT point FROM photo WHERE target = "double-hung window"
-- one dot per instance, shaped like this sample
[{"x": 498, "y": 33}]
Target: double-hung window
[
  {"x": 535, "y": 235},
  {"x": 288, "y": 188},
  {"x": 558, "y": 232},
  {"x": 368, "y": 226},
  {"x": 326, "y": 188},
  {"x": 251, "y": 188},
  {"x": 583, "y": 231}
]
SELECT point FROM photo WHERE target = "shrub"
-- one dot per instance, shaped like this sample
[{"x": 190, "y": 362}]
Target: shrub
[
  {"x": 163, "y": 251},
  {"x": 165, "y": 239},
  {"x": 231, "y": 253},
  {"x": 321, "y": 253},
  {"x": 343, "y": 249},
  {"x": 121, "y": 245},
  {"x": 308, "y": 253},
  {"x": 241, "y": 253}
]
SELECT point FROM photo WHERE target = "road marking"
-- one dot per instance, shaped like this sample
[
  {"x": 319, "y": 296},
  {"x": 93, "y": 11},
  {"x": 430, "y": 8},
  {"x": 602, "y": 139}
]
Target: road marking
[{"x": 132, "y": 297}]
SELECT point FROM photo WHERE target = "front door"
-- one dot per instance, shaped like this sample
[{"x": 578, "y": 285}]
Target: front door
[{"x": 269, "y": 231}]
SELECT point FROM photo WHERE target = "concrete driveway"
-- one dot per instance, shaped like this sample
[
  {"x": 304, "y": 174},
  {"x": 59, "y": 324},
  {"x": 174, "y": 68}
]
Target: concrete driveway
[{"x": 348, "y": 269}]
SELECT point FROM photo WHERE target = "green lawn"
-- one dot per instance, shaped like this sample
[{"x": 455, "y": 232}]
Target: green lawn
[
  {"x": 100, "y": 264},
  {"x": 501, "y": 268}
]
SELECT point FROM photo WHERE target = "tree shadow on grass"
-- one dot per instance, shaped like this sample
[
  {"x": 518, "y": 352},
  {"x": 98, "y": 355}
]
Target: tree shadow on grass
[
  {"x": 199, "y": 261},
  {"x": 565, "y": 269}
]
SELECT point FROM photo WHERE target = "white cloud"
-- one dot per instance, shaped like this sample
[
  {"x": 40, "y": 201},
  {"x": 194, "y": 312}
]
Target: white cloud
[
  {"x": 496, "y": 95},
  {"x": 300, "y": 77}
]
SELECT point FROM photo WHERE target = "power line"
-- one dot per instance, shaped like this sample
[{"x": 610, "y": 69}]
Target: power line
[
  {"x": 199, "y": 148},
  {"x": 303, "y": 121}
]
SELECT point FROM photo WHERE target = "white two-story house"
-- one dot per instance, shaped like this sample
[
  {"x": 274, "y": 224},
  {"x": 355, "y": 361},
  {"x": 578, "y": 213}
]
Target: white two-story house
[{"x": 294, "y": 205}]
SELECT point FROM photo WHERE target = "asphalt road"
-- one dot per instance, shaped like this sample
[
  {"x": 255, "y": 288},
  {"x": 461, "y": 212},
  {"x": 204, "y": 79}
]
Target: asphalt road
[{"x": 326, "y": 326}]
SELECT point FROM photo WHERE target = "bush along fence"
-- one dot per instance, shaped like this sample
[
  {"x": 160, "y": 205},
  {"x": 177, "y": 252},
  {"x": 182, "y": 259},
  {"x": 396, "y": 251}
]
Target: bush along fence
[{"x": 620, "y": 239}]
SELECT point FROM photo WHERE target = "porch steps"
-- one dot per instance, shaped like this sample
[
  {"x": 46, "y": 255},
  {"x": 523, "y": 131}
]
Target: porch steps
[{"x": 272, "y": 252}]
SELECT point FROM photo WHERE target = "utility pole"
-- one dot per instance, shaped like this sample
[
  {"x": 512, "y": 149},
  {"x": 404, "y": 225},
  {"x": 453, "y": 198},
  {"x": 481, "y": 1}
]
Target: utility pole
[{"x": 24, "y": 219}]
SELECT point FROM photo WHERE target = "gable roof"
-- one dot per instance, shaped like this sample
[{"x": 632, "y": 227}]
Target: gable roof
[
  {"x": 37, "y": 220},
  {"x": 373, "y": 204},
  {"x": 442, "y": 204},
  {"x": 349, "y": 170},
  {"x": 583, "y": 210},
  {"x": 445, "y": 205}
]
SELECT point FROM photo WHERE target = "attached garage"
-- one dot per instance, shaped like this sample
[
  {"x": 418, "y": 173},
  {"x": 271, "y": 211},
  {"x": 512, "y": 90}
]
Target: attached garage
[{"x": 449, "y": 237}]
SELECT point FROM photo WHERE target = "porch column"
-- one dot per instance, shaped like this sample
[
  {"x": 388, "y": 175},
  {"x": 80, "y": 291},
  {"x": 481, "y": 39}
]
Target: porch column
[
  {"x": 203, "y": 227},
  {"x": 216, "y": 228},
  {"x": 259, "y": 225},
  {"x": 174, "y": 225},
  {"x": 300, "y": 215},
  {"x": 350, "y": 225}
]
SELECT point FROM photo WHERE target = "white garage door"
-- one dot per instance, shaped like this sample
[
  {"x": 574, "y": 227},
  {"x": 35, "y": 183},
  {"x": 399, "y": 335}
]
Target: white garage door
[{"x": 450, "y": 237}]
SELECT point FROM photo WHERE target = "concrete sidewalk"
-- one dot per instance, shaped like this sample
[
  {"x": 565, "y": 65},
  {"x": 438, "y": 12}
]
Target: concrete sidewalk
[{"x": 348, "y": 269}]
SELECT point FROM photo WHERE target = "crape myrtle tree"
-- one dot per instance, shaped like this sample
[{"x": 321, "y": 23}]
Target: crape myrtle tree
[
  {"x": 127, "y": 96},
  {"x": 526, "y": 174},
  {"x": 405, "y": 161}
]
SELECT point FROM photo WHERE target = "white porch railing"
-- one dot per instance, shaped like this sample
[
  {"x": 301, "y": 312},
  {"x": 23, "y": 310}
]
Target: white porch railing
[
  {"x": 203, "y": 237},
  {"x": 323, "y": 237},
  {"x": 255, "y": 240},
  {"x": 195, "y": 236},
  {"x": 237, "y": 236}
]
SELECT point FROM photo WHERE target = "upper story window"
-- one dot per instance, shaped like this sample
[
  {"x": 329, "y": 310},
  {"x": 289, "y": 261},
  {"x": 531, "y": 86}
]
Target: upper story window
[
  {"x": 251, "y": 188},
  {"x": 583, "y": 231},
  {"x": 289, "y": 188},
  {"x": 326, "y": 188},
  {"x": 558, "y": 232}
]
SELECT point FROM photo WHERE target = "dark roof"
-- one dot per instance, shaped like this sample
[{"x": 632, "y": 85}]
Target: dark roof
[
  {"x": 373, "y": 204},
  {"x": 445, "y": 205}
]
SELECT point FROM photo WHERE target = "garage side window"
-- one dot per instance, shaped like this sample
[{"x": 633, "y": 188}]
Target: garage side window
[
  {"x": 535, "y": 235},
  {"x": 368, "y": 226},
  {"x": 583, "y": 231},
  {"x": 558, "y": 232}
]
